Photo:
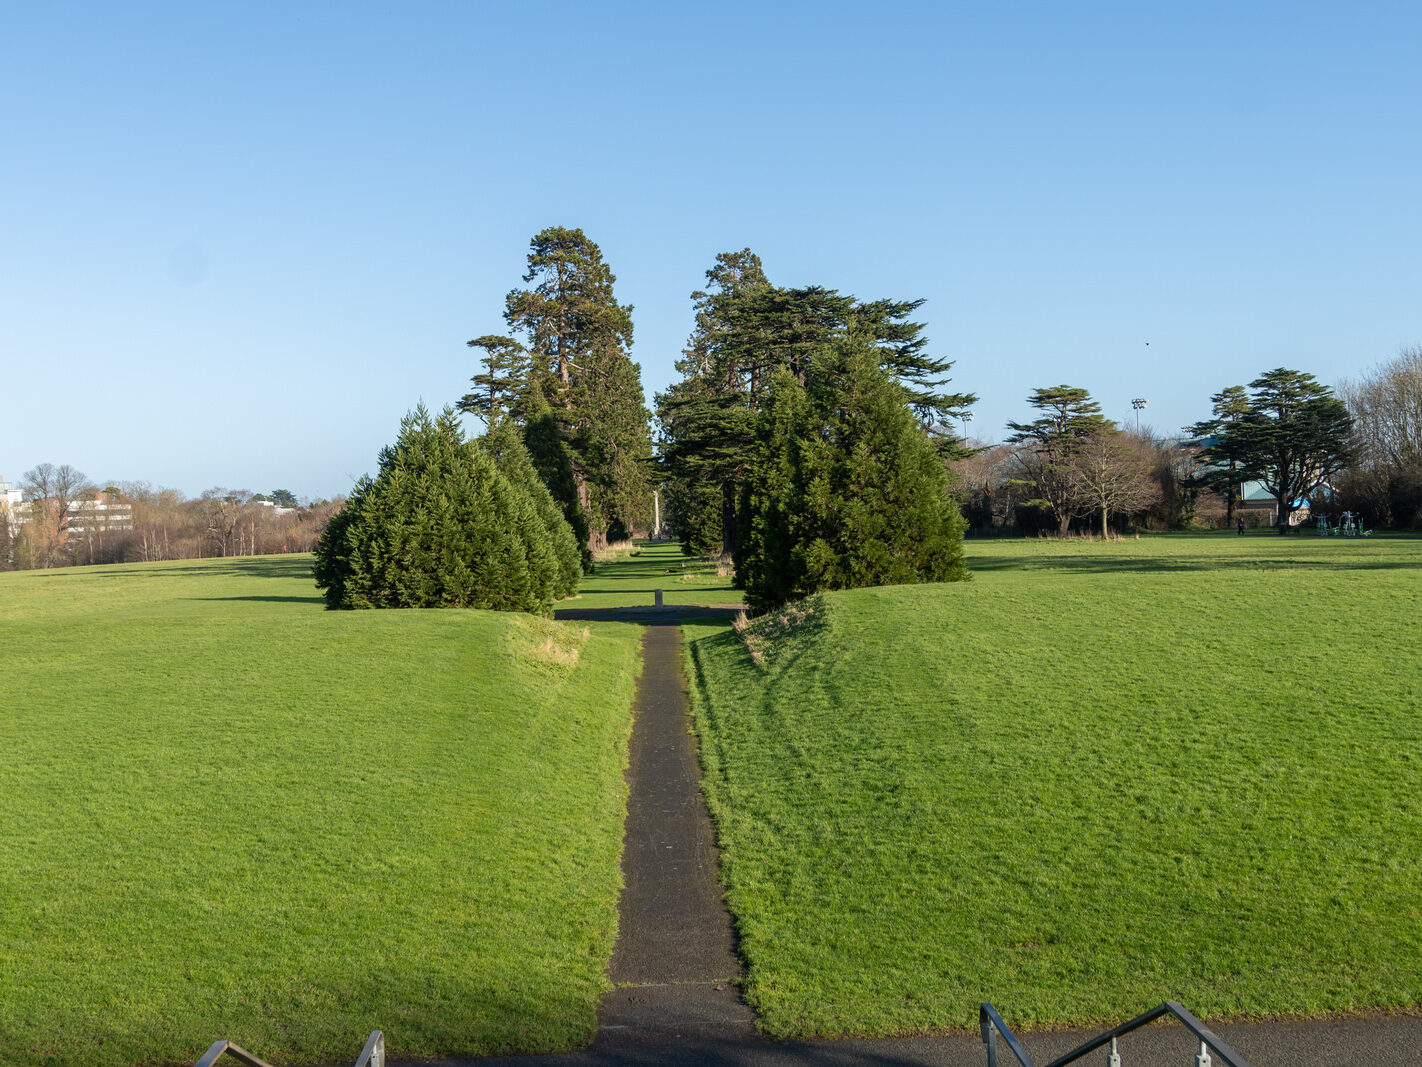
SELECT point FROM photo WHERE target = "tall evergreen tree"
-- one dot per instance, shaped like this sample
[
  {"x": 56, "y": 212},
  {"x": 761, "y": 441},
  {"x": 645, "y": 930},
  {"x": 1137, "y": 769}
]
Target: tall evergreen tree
[
  {"x": 1221, "y": 473},
  {"x": 707, "y": 419},
  {"x": 553, "y": 461},
  {"x": 1068, "y": 417},
  {"x": 847, "y": 488},
  {"x": 578, "y": 338},
  {"x": 505, "y": 446},
  {"x": 747, "y": 330},
  {"x": 1293, "y": 437},
  {"x": 503, "y": 387}
]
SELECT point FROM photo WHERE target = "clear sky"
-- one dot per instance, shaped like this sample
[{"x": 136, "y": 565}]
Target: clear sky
[{"x": 239, "y": 241}]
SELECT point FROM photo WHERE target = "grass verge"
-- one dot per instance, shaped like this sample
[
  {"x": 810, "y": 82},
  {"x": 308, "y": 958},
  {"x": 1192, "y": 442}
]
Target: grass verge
[
  {"x": 1097, "y": 777},
  {"x": 230, "y": 813}
]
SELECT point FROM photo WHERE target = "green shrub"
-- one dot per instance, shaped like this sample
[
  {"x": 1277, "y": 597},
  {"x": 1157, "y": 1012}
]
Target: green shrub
[{"x": 439, "y": 526}]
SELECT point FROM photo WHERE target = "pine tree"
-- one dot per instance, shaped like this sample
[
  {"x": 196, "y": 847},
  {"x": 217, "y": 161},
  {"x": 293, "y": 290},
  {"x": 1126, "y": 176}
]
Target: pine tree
[
  {"x": 1221, "y": 472},
  {"x": 553, "y": 461},
  {"x": 1069, "y": 416},
  {"x": 1293, "y": 437},
  {"x": 578, "y": 342},
  {"x": 502, "y": 388}
]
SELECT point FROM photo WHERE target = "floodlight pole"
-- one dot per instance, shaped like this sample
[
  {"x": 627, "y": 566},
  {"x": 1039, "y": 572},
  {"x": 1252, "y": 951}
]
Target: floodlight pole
[{"x": 1138, "y": 402}]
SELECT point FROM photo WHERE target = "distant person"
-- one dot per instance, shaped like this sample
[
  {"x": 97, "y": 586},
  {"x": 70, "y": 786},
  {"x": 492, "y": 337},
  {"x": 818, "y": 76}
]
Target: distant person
[{"x": 1241, "y": 525}]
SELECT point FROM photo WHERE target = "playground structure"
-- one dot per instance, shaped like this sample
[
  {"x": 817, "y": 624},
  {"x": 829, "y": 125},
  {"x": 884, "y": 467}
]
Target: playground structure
[{"x": 1349, "y": 525}]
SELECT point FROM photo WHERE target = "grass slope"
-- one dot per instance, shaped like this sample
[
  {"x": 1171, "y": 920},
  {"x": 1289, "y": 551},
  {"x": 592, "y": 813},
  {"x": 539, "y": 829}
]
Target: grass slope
[
  {"x": 1097, "y": 777},
  {"x": 230, "y": 813}
]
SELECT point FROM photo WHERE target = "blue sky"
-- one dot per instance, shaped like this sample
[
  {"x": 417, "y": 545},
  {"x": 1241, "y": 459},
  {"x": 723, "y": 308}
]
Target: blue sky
[{"x": 240, "y": 241}]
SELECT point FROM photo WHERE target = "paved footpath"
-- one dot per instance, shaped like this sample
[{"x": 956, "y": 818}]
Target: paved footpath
[{"x": 675, "y": 965}]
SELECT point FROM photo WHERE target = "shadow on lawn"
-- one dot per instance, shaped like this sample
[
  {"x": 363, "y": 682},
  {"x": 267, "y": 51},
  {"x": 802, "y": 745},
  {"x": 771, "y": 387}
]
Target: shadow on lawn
[
  {"x": 232, "y": 567},
  {"x": 268, "y": 599},
  {"x": 1175, "y": 565},
  {"x": 667, "y": 615}
]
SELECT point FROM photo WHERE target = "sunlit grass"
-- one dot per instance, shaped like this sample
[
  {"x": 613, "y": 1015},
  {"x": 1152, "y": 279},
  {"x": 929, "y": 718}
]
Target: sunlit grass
[
  {"x": 1096, "y": 777},
  {"x": 230, "y": 813},
  {"x": 632, "y": 581}
]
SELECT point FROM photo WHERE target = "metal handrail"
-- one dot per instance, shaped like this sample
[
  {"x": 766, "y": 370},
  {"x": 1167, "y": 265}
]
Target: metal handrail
[
  {"x": 992, "y": 1025},
  {"x": 213, "y": 1054},
  {"x": 373, "y": 1055}
]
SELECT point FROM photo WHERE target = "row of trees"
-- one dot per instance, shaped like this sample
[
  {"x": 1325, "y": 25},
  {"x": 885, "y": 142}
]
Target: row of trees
[
  {"x": 1383, "y": 480},
  {"x": 1139, "y": 478},
  {"x": 1285, "y": 431},
  {"x": 65, "y": 519}
]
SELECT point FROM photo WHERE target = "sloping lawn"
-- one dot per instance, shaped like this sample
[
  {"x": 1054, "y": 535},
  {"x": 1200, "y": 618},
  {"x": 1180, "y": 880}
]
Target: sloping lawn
[
  {"x": 1096, "y": 777},
  {"x": 230, "y": 813}
]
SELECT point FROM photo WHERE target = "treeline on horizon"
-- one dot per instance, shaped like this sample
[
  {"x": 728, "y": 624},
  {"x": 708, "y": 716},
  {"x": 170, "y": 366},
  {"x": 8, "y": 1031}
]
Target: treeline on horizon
[
  {"x": 68, "y": 520},
  {"x": 777, "y": 392}
]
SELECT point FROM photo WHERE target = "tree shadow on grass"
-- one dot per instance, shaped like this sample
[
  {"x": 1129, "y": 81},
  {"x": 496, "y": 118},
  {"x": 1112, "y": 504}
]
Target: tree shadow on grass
[
  {"x": 268, "y": 599},
  {"x": 667, "y": 615},
  {"x": 241, "y": 567},
  {"x": 1172, "y": 565}
]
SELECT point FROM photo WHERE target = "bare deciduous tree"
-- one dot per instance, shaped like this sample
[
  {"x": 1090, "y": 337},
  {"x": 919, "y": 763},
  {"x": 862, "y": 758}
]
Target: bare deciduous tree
[
  {"x": 1106, "y": 472},
  {"x": 50, "y": 494}
]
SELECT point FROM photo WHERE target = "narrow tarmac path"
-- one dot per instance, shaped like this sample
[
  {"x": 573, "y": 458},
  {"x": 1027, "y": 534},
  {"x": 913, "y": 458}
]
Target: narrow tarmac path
[{"x": 674, "y": 965}]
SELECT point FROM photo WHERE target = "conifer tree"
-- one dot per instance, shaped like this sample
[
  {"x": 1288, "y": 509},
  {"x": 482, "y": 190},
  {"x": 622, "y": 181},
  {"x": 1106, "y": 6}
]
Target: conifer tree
[
  {"x": 578, "y": 342},
  {"x": 1068, "y": 417},
  {"x": 1293, "y": 437},
  {"x": 439, "y": 526},
  {"x": 847, "y": 489},
  {"x": 746, "y": 330},
  {"x": 553, "y": 460},
  {"x": 1228, "y": 406},
  {"x": 503, "y": 386},
  {"x": 511, "y": 456}
]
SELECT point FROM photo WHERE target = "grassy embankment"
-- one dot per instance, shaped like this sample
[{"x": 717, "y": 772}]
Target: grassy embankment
[
  {"x": 228, "y": 812},
  {"x": 1096, "y": 777}
]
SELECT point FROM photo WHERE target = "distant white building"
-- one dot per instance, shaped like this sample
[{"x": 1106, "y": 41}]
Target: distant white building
[
  {"x": 9, "y": 497},
  {"x": 84, "y": 515}
]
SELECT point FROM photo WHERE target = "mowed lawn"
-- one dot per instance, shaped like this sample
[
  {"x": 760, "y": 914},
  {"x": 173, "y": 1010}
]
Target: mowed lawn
[
  {"x": 227, "y": 812},
  {"x": 633, "y": 579},
  {"x": 1096, "y": 777}
]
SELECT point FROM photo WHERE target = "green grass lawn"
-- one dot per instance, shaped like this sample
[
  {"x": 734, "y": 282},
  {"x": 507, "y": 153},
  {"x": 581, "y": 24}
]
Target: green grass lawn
[
  {"x": 230, "y": 813},
  {"x": 633, "y": 580},
  {"x": 1096, "y": 777}
]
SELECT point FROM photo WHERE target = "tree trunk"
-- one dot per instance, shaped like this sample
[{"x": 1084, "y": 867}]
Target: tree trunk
[
  {"x": 1103, "y": 522},
  {"x": 728, "y": 518}
]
